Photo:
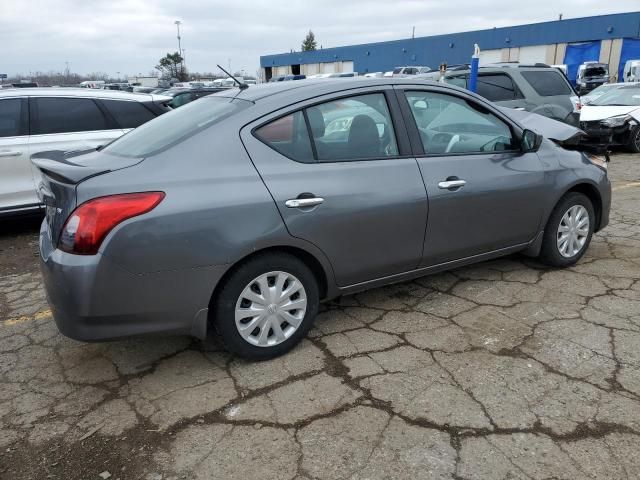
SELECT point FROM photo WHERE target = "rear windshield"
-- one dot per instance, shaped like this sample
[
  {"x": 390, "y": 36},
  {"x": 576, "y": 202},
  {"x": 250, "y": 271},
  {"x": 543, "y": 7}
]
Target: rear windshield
[{"x": 175, "y": 126}]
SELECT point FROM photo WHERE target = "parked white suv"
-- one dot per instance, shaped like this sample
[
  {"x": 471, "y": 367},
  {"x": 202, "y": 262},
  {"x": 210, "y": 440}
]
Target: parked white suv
[{"x": 34, "y": 120}]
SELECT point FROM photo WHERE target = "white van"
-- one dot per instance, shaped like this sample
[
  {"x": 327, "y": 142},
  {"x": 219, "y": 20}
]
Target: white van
[{"x": 631, "y": 72}]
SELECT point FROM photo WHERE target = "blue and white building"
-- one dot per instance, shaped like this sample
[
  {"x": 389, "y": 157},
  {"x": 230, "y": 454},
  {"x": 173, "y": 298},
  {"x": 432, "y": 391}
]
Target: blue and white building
[{"x": 611, "y": 39}]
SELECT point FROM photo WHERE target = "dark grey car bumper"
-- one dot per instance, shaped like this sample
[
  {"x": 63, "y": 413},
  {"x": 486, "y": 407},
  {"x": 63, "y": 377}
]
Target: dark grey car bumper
[{"x": 94, "y": 299}]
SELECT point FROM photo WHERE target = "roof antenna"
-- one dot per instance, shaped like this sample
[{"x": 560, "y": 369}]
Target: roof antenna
[{"x": 241, "y": 85}]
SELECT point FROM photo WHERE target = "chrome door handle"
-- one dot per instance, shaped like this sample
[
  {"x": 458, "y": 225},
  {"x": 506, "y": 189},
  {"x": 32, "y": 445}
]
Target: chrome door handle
[
  {"x": 452, "y": 184},
  {"x": 10, "y": 153},
  {"x": 303, "y": 202}
]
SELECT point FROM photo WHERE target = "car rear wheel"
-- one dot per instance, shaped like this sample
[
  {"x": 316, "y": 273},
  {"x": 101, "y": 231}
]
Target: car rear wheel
[
  {"x": 634, "y": 139},
  {"x": 266, "y": 306},
  {"x": 568, "y": 231}
]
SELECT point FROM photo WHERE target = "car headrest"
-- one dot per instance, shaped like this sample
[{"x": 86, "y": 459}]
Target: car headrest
[
  {"x": 363, "y": 136},
  {"x": 316, "y": 122}
]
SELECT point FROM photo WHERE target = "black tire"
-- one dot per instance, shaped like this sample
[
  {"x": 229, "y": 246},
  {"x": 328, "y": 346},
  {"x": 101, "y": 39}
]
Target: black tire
[
  {"x": 550, "y": 253},
  {"x": 634, "y": 139},
  {"x": 241, "y": 277}
]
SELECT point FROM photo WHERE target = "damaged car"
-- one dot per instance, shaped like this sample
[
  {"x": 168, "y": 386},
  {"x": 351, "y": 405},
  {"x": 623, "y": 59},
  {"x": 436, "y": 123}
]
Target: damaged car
[
  {"x": 241, "y": 212},
  {"x": 613, "y": 119}
]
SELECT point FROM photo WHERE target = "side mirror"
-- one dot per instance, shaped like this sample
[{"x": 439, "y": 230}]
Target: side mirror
[{"x": 530, "y": 141}]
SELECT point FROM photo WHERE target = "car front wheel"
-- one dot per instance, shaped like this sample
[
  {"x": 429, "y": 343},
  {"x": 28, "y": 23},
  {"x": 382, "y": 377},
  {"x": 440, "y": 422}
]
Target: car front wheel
[
  {"x": 266, "y": 306},
  {"x": 568, "y": 231},
  {"x": 634, "y": 139}
]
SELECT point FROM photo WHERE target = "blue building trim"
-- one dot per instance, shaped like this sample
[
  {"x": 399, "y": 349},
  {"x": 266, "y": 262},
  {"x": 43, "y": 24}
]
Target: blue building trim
[{"x": 458, "y": 47}]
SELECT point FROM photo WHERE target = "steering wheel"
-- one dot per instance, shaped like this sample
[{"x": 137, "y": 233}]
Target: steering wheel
[{"x": 454, "y": 139}]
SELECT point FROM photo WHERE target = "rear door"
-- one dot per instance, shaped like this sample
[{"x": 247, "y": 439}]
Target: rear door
[
  {"x": 343, "y": 178},
  {"x": 484, "y": 193},
  {"x": 17, "y": 187},
  {"x": 68, "y": 124}
]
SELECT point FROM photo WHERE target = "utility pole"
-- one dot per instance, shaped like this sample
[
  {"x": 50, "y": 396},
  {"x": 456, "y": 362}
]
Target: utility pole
[{"x": 413, "y": 34}]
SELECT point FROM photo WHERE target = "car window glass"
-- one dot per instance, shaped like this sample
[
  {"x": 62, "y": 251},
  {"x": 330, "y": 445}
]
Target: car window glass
[
  {"x": 498, "y": 87},
  {"x": 175, "y": 126},
  {"x": 451, "y": 125},
  {"x": 128, "y": 114},
  {"x": 460, "y": 81},
  {"x": 547, "y": 83},
  {"x": 181, "y": 99},
  {"x": 353, "y": 128},
  {"x": 289, "y": 136},
  {"x": 63, "y": 115},
  {"x": 10, "y": 113}
]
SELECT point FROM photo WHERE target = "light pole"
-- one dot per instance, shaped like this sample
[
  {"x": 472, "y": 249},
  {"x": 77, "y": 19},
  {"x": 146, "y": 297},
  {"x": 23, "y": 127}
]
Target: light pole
[{"x": 180, "y": 51}]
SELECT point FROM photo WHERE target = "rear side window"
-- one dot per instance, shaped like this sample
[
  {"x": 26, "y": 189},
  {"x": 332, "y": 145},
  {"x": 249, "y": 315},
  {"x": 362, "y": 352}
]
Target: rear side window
[
  {"x": 498, "y": 87},
  {"x": 353, "y": 128},
  {"x": 547, "y": 83},
  {"x": 128, "y": 114},
  {"x": 64, "y": 115},
  {"x": 176, "y": 126},
  {"x": 10, "y": 117},
  {"x": 289, "y": 136}
]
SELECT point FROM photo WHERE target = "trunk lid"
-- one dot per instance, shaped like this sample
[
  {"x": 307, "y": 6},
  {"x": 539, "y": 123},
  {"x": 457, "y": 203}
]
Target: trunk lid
[{"x": 61, "y": 172}]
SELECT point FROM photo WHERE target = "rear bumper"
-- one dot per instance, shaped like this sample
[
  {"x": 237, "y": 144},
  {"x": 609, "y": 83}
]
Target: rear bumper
[{"x": 94, "y": 299}]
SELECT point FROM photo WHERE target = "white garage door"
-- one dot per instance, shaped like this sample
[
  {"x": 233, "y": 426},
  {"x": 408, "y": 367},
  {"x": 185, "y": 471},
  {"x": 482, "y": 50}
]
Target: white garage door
[
  {"x": 347, "y": 66},
  {"x": 310, "y": 69},
  {"x": 328, "y": 67},
  {"x": 490, "y": 56},
  {"x": 531, "y": 55}
]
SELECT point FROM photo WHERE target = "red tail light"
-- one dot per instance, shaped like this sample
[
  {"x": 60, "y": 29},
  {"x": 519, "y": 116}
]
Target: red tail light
[{"x": 89, "y": 224}]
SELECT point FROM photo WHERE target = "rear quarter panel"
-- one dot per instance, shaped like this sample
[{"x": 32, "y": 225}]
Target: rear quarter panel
[{"x": 216, "y": 211}]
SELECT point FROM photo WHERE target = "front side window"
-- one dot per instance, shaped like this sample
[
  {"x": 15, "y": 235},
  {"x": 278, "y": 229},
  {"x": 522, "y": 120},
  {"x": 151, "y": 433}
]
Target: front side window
[
  {"x": 497, "y": 87},
  {"x": 10, "y": 117},
  {"x": 352, "y": 128},
  {"x": 128, "y": 114},
  {"x": 548, "y": 83},
  {"x": 289, "y": 136},
  {"x": 65, "y": 115},
  {"x": 451, "y": 125}
]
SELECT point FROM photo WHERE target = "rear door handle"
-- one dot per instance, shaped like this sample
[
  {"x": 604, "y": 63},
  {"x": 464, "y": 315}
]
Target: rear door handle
[
  {"x": 10, "y": 153},
  {"x": 303, "y": 202},
  {"x": 452, "y": 184}
]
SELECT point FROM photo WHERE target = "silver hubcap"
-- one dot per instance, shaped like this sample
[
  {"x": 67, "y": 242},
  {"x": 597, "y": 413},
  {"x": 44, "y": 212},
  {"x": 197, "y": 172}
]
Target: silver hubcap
[
  {"x": 270, "y": 309},
  {"x": 573, "y": 231}
]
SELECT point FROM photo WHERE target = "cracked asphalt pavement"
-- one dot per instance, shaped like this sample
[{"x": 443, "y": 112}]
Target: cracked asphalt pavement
[{"x": 503, "y": 370}]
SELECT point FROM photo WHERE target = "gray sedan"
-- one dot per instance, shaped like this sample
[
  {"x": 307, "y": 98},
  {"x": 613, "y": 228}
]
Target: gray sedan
[{"x": 242, "y": 211}]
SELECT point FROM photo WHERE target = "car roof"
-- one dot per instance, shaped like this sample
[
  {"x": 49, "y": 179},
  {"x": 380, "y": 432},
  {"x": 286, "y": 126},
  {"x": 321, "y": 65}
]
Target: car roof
[
  {"x": 310, "y": 87},
  {"x": 78, "y": 92}
]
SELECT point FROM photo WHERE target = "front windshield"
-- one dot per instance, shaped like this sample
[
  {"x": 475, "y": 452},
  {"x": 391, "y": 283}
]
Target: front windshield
[
  {"x": 601, "y": 90},
  {"x": 173, "y": 127},
  {"x": 619, "y": 96},
  {"x": 397, "y": 70},
  {"x": 595, "y": 72}
]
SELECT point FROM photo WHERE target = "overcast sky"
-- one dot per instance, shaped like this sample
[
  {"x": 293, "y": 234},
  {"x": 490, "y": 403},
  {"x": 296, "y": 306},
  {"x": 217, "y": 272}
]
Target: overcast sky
[{"x": 129, "y": 36}]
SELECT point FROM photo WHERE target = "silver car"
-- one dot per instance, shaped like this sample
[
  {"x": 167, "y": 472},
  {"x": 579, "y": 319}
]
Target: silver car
[
  {"x": 242, "y": 211},
  {"x": 34, "y": 120}
]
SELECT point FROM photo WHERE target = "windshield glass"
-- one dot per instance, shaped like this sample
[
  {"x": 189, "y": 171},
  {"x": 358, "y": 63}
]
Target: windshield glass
[
  {"x": 397, "y": 70},
  {"x": 175, "y": 126},
  {"x": 619, "y": 96},
  {"x": 595, "y": 71}
]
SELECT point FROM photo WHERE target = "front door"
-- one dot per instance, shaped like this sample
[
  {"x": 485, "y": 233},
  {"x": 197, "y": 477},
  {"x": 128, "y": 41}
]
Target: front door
[
  {"x": 340, "y": 182},
  {"x": 484, "y": 193}
]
